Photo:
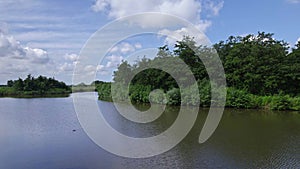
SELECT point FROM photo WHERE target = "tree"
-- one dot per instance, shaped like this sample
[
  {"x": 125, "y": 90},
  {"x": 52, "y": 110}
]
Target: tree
[
  {"x": 164, "y": 51},
  {"x": 18, "y": 85},
  {"x": 186, "y": 50},
  {"x": 40, "y": 84},
  {"x": 291, "y": 71},
  {"x": 10, "y": 83},
  {"x": 255, "y": 63},
  {"x": 124, "y": 73}
]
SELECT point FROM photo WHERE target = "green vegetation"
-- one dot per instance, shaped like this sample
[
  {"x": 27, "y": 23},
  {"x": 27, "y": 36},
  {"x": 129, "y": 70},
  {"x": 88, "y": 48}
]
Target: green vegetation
[
  {"x": 260, "y": 64},
  {"x": 105, "y": 88},
  {"x": 83, "y": 88},
  {"x": 235, "y": 98},
  {"x": 35, "y": 87},
  {"x": 260, "y": 73}
]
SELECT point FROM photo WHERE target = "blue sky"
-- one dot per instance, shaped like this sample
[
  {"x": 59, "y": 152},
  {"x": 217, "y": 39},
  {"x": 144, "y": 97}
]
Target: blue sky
[{"x": 45, "y": 37}]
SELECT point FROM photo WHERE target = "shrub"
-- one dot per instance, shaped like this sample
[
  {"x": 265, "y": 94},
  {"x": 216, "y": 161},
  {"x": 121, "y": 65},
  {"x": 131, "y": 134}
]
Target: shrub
[
  {"x": 190, "y": 95},
  {"x": 295, "y": 103},
  {"x": 239, "y": 99},
  {"x": 266, "y": 101},
  {"x": 174, "y": 96},
  {"x": 280, "y": 102},
  {"x": 139, "y": 93},
  {"x": 205, "y": 92},
  {"x": 104, "y": 91},
  {"x": 119, "y": 92},
  {"x": 158, "y": 96}
]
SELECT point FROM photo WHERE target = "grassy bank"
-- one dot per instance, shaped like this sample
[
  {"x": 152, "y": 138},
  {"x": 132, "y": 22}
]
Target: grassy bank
[
  {"x": 242, "y": 99},
  {"x": 235, "y": 98},
  {"x": 10, "y": 92},
  {"x": 81, "y": 88}
]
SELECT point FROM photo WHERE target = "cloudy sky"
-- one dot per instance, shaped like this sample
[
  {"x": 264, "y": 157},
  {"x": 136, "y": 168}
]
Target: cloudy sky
[{"x": 46, "y": 37}]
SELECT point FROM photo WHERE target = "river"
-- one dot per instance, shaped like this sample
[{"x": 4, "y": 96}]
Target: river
[{"x": 45, "y": 133}]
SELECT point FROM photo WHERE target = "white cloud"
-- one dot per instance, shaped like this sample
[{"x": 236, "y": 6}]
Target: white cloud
[
  {"x": 293, "y": 1},
  {"x": 66, "y": 67},
  {"x": 138, "y": 46},
  {"x": 39, "y": 56},
  {"x": 102, "y": 70},
  {"x": 70, "y": 62},
  {"x": 71, "y": 57},
  {"x": 100, "y": 5},
  {"x": 177, "y": 35},
  {"x": 187, "y": 9},
  {"x": 114, "y": 49},
  {"x": 17, "y": 59},
  {"x": 9, "y": 47},
  {"x": 214, "y": 7},
  {"x": 125, "y": 48},
  {"x": 89, "y": 68},
  {"x": 190, "y": 10},
  {"x": 182, "y": 8},
  {"x": 113, "y": 61}
]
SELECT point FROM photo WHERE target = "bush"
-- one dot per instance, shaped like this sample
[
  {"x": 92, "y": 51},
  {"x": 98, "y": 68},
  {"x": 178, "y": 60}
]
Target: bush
[
  {"x": 174, "y": 96},
  {"x": 104, "y": 91},
  {"x": 158, "y": 96},
  {"x": 190, "y": 95},
  {"x": 119, "y": 92},
  {"x": 139, "y": 93},
  {"x": 205, "y": 92},
  {"x": 295, "y": 103},
  {"x": 280, "y": 102},
  {"x": 265, "y": 101},
  {"x": 239, "y": 99}
]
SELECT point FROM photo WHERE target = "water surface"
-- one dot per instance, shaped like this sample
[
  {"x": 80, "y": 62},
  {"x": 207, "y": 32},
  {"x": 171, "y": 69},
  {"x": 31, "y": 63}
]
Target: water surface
[{"x": 45, "y": 133}]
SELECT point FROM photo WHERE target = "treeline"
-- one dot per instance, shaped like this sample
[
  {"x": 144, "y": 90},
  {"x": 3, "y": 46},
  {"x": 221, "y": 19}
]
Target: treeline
[
  {"x": 260, "y": 64},
  {"x": 31, "y": 86},
  {"x": 260, "y": 73},
  {"x": 83, "y": 87}
]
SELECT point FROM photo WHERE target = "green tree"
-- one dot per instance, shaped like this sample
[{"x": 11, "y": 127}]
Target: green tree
[
  {"x": 255, "y": 63},
  {"x": 18, "y": 85},
  {"x": 189, "y": 52},
  {"x": 10, "y": 83},
  {"x": 123, "y": 73}
]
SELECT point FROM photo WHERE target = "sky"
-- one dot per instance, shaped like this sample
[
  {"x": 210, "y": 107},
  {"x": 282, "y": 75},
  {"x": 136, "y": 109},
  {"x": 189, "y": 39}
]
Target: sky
[{"x": 47, "y": 37}]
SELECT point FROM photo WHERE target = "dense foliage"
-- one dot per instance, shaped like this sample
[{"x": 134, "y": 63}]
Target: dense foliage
[
  {"x": 105, "y": 89},
  {"x": 32, "y": 86},
  {"x": 260, "y": 64},
  {"x": 260, "y": 73}
]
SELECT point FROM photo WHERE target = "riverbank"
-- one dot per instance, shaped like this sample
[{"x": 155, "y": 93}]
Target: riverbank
[
  {"x": 235, "y": 98},
  {"x": 11, "y": 92},
  {"x": 259, "y": 70}
]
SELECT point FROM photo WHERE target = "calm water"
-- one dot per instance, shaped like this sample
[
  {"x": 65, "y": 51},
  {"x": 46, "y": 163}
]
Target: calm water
[{"x": 38, "y": 133}]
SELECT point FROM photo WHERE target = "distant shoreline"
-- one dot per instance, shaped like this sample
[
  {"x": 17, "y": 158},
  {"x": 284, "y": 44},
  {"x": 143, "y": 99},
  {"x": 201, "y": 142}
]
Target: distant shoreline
[
  {"x": 32, "y": 94},
  {"x": 34, "y": 87}
]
